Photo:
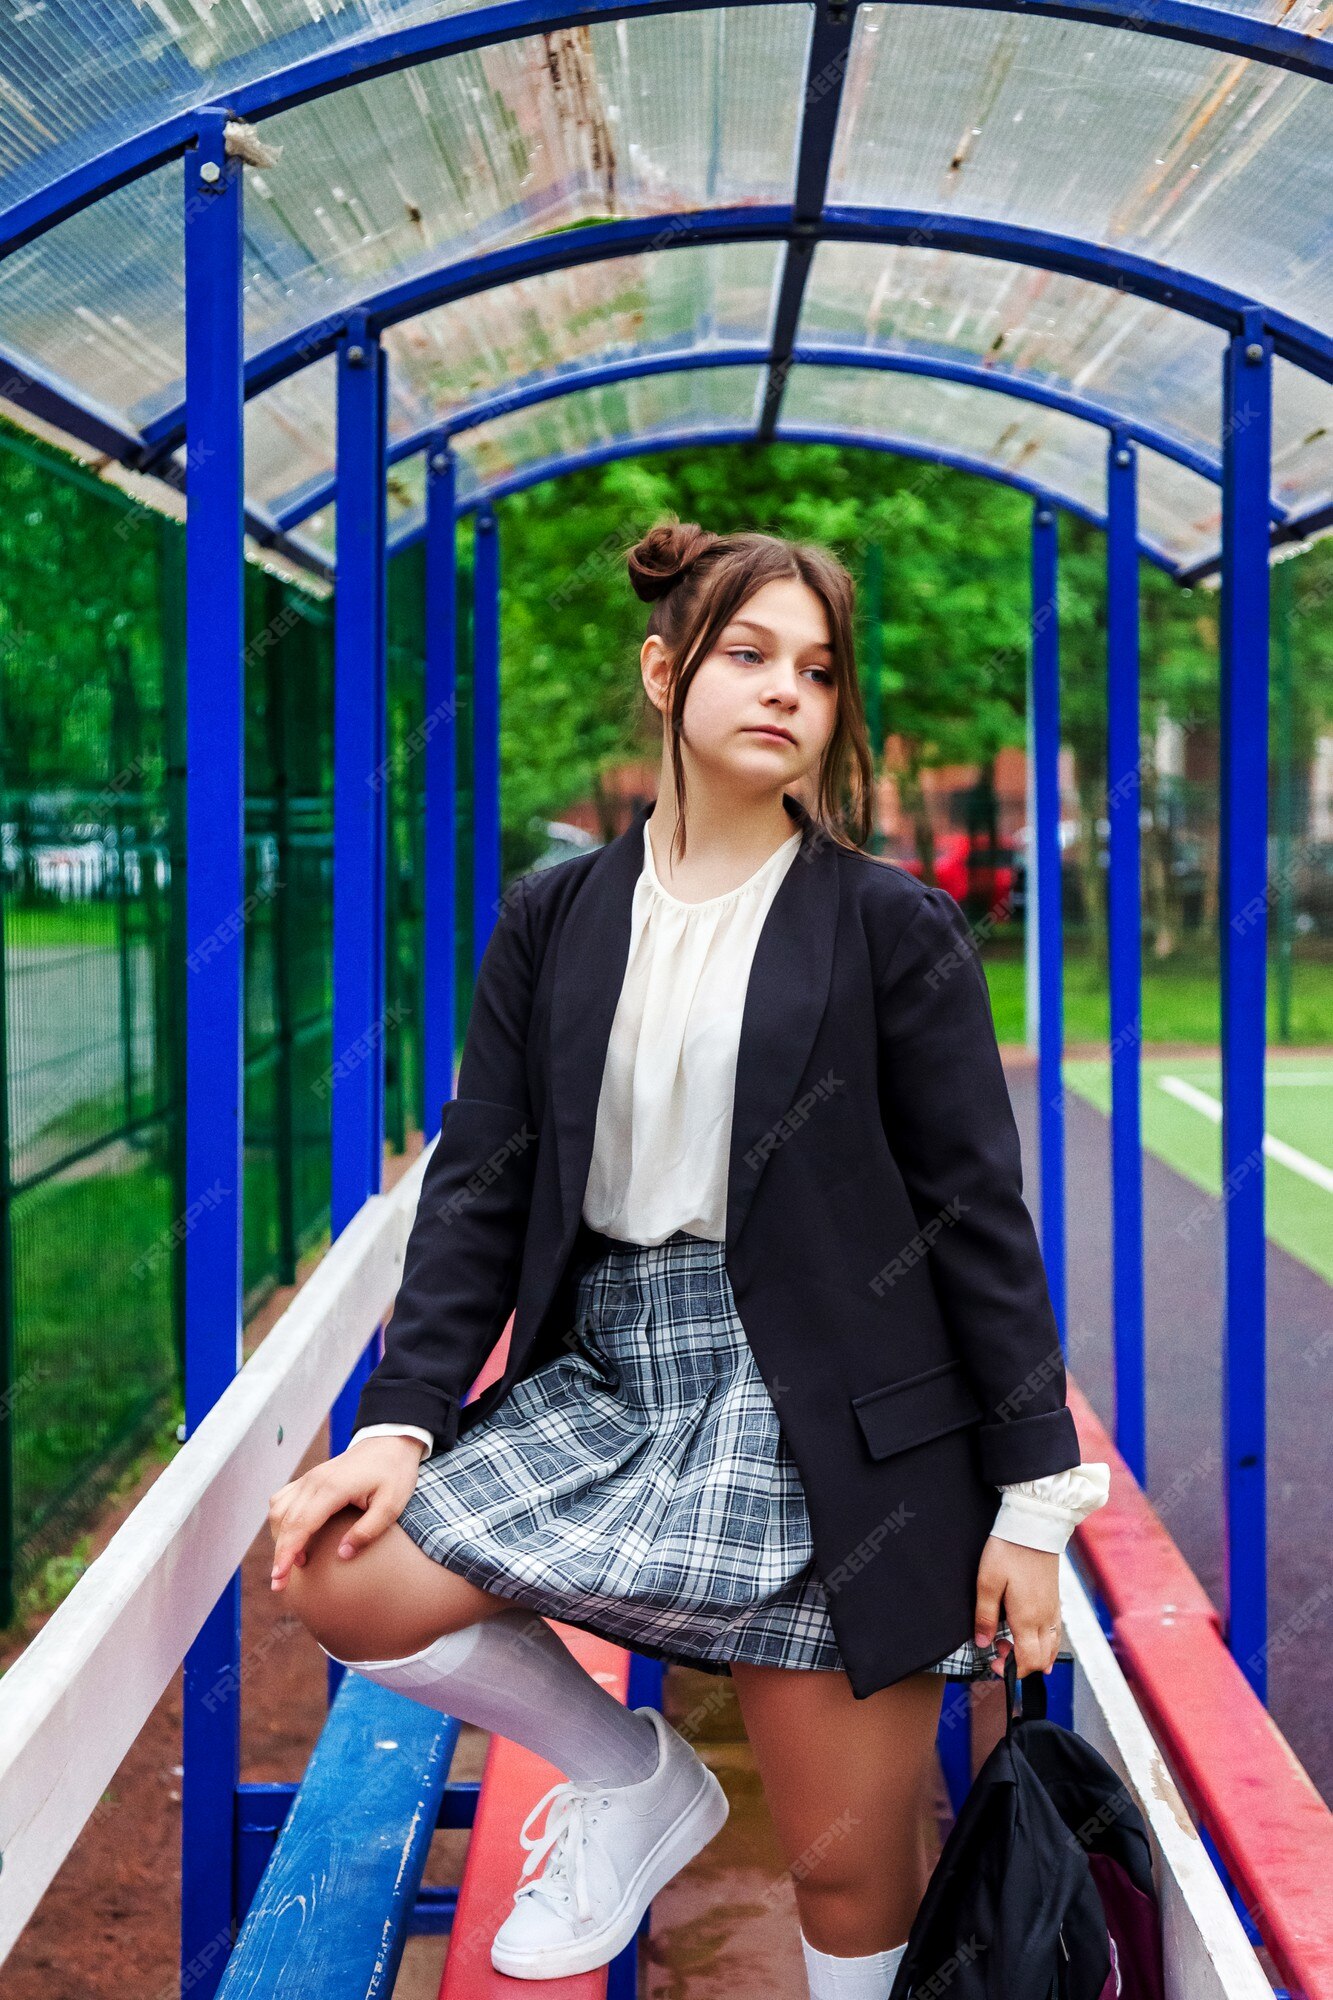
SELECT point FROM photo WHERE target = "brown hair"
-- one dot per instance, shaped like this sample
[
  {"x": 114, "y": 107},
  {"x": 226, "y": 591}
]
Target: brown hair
[{"x": 696, "y": 582}]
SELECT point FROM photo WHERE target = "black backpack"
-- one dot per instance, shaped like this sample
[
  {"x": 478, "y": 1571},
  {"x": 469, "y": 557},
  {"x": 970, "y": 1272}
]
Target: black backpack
[{"x": 1044, "y": 1887}]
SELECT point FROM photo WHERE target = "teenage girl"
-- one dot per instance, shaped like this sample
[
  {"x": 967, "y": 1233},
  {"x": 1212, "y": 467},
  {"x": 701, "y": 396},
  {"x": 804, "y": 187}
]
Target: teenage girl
[{"x": 639, "y": 1484}]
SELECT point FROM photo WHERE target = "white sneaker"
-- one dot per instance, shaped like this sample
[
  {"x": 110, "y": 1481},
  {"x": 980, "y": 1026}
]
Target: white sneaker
[{"x": 608, "y": 1850}]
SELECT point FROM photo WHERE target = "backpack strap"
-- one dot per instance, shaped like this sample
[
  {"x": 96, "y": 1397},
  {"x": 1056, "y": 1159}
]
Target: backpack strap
[{"x": 1034, "y": 1695}]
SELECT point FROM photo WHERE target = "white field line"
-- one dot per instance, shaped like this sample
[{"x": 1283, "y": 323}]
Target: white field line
[{"x": 1274, "y": 1149}]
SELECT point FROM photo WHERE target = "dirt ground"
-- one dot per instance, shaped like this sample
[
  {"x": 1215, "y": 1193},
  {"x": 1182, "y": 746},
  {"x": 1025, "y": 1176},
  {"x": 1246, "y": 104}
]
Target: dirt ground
[{"x": 109, "y": 1924}]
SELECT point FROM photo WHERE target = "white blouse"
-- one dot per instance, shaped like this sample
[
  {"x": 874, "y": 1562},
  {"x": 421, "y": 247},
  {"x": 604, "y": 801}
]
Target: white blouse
[{"x": 663, "y": 1133}]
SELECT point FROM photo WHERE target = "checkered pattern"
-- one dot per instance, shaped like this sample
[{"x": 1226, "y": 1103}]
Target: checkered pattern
[{"x": 639, "y": 1486}]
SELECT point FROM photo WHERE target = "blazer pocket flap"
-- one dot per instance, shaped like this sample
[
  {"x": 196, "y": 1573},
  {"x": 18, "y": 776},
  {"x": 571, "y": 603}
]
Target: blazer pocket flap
[{"x": 917, "y": 1409}]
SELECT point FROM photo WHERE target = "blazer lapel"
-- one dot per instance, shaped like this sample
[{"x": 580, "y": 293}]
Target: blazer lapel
[{"x": 784, "y": 1002}]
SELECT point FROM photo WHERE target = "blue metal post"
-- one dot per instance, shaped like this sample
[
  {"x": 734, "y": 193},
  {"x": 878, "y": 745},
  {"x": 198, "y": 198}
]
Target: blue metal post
[
  {"x": 485, "y": 733},
  {"x": 214, "y": 1014},
  {"x": 441, "y": 782},
  {"x": 1125, "y": 940},
  {"x": 1044, "y": 861},
  {"x": 1243, "y": 916},
  {"x": 360, "y": 788}
]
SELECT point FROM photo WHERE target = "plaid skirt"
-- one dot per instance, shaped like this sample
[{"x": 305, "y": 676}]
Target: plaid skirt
[{"x": 639, "y": 1486}]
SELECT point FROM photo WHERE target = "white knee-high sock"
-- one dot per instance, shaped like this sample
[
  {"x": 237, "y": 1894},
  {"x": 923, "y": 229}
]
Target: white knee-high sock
[
  {"x": 866, "y": 1978},
  {"x": 512, "y": 1674}
]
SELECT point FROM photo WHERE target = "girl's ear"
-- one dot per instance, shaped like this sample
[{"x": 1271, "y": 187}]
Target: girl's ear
[{"x": 653, "y": 661}]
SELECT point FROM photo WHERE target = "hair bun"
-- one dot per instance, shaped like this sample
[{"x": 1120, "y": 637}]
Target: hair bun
[{"x": 661, "y": 558}]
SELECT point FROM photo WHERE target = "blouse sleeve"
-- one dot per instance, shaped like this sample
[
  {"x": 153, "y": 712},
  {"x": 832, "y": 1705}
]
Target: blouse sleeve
[
  {"x": 1043, "y": 1513},
  {"x": 423, "y": 1437}
]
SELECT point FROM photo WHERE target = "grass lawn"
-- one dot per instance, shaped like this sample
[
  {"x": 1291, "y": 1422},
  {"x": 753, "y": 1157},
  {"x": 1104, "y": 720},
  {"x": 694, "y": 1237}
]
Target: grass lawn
[
  {"x": 1298, "y": 1119},
  {"x": 1181, "y": 998}
]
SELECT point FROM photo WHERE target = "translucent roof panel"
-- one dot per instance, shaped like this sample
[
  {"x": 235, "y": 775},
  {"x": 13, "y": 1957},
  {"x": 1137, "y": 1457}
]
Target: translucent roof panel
[
  {"x": 1060, "y": 453},
  {"x": 684, "y": 402},
  {"x": 1210, "y": 164},
  {"x": 1096, "y": 342},
  {"x": 1302, "y": 439},
  {"x": 706, "y": 297},
  {"x": 81, "y": 76},
  {"x": 1174, "y": 152},
  {"x": 410, "y": 172}
]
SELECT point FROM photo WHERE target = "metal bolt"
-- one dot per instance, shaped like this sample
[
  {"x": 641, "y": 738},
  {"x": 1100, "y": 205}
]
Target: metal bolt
[
  {"x": 440, "y": 462},
  {"x": 356, "y": 355},
  {"x": 1254, "y": 352},
  {"x": 1122, "y": 457},
  {"x": 210, "y": 171}
]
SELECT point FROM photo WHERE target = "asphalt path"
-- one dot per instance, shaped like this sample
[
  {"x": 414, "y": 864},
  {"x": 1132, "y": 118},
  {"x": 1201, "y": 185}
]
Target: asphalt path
[{"x": 1183, "y": 1272}]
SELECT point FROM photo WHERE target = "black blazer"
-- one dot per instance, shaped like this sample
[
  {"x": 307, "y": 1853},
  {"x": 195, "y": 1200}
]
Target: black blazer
[{"x": 884, "y": 1265}]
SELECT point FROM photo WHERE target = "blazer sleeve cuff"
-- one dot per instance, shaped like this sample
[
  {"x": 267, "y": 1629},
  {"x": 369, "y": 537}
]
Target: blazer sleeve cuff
[
  {"x": 1028, "y": 1447},
  {"x": 418, "y": 1403}
]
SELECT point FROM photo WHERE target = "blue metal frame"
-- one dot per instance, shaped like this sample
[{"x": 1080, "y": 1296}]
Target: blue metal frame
[
  {"x": 398, "y": 48},
  {"x": 210, "y": 421},
  {"x": 826, "y": 71},
  {"x": 958, "y": 461},
  {"x": 1247, "y": 407},
  {"x": 440, "y": 752},
  {"x": 1044, "y": 874},
  {"x": 1124, "y": 924},
  {"x": 360, "y": 784},
  {"x": 214, "y": 1006},
  {"x": 486, "y": 870},
  {"x": 1197, "y": 297},
  {"x": 307, "y": 499}
]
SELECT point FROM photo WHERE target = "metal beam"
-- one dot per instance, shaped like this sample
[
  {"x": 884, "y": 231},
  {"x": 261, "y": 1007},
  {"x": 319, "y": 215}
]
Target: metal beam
[
  {"x": 1044, "y": 876},
  {"x": 620, "y": 448},
  {"x": 1247, "y": 407},
  {"x": 213, "y": 998},
  {"x": 306, "y": 500},
  {"x": 486, "y": 870},
  {"x": 440, "y": 754},
  {"x": 396, "y": 48},
  {"x": 1183, "y": 291},
  {"x": 359, "y": 814},
  {"x": 826, "y": 70},
  {"x": 1125, "y": 946}
]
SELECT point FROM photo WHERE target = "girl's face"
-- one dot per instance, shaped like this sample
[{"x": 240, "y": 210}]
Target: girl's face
[{"x": 762, "y": 705}]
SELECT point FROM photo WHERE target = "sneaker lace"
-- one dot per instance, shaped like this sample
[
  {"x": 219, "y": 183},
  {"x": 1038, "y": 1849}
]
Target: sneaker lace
[{"x": 564, "y": 1836}]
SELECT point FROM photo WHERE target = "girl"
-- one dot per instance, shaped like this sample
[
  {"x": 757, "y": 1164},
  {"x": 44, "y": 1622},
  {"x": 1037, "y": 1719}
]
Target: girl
[{"x": 732, "y": 1130}]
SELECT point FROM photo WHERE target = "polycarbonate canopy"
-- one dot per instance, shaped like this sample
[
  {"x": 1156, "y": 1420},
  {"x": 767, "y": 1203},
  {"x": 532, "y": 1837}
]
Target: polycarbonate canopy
[{"x": 1016, "y": 230}]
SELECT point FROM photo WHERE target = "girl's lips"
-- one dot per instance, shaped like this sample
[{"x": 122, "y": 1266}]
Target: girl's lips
[{"x": 757, "y": 729}]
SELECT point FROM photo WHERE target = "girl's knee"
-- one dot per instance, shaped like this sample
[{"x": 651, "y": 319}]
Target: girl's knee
[{"x": 327, "y": 1594}]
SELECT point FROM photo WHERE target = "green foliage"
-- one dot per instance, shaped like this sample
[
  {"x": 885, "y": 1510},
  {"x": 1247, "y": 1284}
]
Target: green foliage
[{"x": 955, "y": 605}]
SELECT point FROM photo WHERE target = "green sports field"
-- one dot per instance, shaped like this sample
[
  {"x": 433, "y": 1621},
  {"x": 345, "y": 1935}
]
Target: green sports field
[{"x": 1181, "y": 1125}]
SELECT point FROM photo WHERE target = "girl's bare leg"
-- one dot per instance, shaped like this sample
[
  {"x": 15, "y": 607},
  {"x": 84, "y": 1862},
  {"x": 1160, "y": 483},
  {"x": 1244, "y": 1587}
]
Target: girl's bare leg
[
  {"x": 388, "y": 1600},
  {"x": 848, "y": 1784}
]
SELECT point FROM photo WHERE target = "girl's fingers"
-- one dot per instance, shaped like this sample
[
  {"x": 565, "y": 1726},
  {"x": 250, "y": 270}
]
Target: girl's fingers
[{"x": 376, "y": 1518}]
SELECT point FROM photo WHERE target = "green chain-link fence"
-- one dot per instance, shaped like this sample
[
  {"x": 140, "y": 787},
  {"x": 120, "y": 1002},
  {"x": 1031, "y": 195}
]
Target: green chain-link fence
[{"x": 91, "y": 994}]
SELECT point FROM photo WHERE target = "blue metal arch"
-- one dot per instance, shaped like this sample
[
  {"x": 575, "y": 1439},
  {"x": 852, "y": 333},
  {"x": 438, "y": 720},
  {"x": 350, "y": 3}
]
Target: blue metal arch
[
  {"x": 1199, "y": 298},
  {"x": 306, "y": 500},
  {"x": 956, "y": 461},
  {"x": 401, "y": 48}
]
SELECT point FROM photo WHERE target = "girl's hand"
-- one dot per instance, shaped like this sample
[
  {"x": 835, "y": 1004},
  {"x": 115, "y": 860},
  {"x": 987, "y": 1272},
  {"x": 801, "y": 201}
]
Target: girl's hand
[
  {"x": 378, "y": 1475},
  {"x": 1028, "y": 1580}
]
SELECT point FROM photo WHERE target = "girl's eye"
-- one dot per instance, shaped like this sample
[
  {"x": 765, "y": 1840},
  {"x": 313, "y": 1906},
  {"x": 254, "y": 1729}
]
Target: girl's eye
[
  {"x": 824, "y": 675},
  {"x": 753, "y": 651}
]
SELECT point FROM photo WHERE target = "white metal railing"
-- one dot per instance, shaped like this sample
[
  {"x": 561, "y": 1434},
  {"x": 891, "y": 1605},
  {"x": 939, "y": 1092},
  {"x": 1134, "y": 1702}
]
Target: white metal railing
[{"x": 74, "y": 1701}]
